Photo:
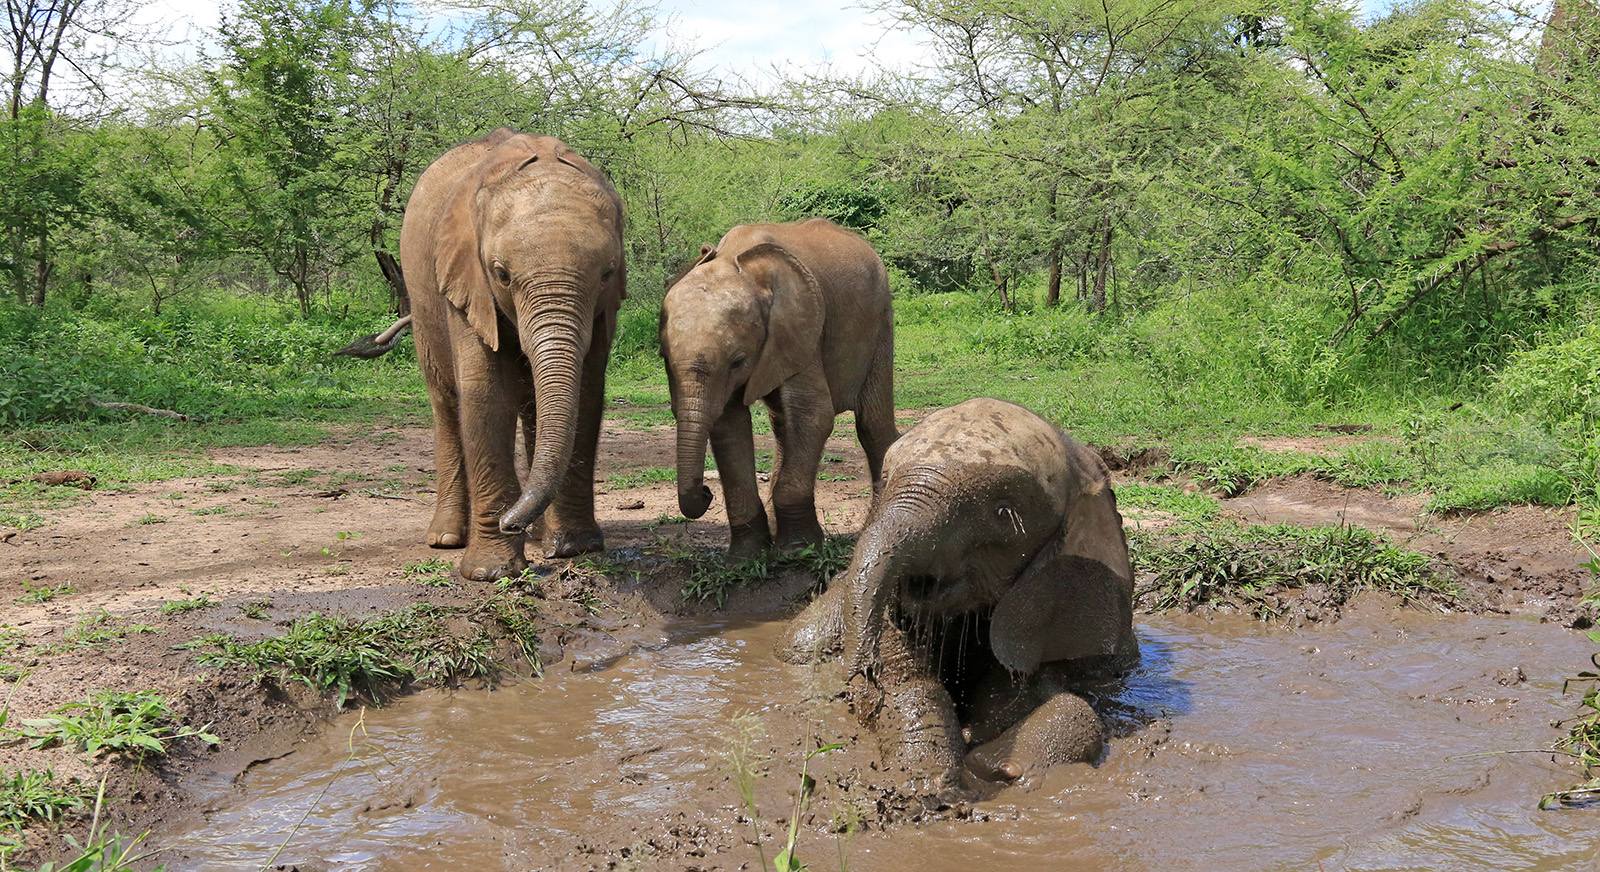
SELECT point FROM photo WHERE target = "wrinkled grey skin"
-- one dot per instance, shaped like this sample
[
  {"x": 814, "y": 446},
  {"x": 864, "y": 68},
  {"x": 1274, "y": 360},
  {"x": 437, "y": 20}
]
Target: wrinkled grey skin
[
  {"x": 512, "y": 252},
  {"x": 992, "y": 566},
  {"x": 794, "y": 315}
]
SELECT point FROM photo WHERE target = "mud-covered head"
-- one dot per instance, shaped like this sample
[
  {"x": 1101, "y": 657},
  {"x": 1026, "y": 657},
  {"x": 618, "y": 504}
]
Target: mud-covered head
[
  {"x": 984, "y": 508},
  {"x": 732, "y": 329}
]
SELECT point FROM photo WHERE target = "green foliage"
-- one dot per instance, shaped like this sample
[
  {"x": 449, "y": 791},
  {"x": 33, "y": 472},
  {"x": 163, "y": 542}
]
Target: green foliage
[
  {"x": 141, "y": 722},
  {"x": 711, "y": 577},
  {"x": 641, "y": 477},
  {"x": 1182, "y": 504},
  {"x": 180, "y": 606},
  {"x": 1244, "y": 567},
  {"x": 100, "y": 628},
  {"x": 433, "y": 572},
  {"x": 347, "y": 655},
  {"x": 36, "y": 794}
]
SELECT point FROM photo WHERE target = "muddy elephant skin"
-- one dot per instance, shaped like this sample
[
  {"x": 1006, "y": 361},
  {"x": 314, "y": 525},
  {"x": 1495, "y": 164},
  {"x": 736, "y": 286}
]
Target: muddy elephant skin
[
  {"x": 512, "y": 252},
  {"x": 795, "y": 315},
  {"x": 991, "y": 569}
]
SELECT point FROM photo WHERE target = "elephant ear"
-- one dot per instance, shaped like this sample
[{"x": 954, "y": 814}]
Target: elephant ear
[
  {"x": 1075, "y": 599},
  {"x": 458, "y": 264},
  {"x": 794, "y": 320}
]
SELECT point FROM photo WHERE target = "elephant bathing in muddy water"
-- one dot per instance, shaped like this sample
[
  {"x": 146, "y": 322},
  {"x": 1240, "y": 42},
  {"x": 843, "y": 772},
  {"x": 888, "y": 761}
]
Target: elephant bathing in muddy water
[
  {"x": 798, "y": 316},
  {"x": 992, "y": 572},
  {"x": 512, "y": 251}
]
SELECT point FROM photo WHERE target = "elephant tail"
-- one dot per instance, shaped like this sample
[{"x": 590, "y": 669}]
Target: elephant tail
[{"x": 376, "y": 344}]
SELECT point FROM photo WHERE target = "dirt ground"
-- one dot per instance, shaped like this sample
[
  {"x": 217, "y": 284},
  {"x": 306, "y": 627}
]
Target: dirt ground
[{"x": 330, "y": 528}]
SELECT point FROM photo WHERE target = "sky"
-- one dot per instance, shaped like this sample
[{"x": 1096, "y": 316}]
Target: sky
[{"x": 742, "y": 37}]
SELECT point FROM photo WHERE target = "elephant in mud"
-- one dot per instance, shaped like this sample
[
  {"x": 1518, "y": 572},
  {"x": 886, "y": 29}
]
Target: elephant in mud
[
  {"x": 512, "y": 251},
  {"x": 796, "y": 315},
  {"x": 991, "y": 574}
]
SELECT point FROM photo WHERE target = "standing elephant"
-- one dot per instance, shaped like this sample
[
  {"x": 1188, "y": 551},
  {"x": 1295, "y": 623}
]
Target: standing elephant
[
  {"x": 991, "y": 572},
  {"x": 797, "y": 315},
  {"x": 512, "y": 252}
]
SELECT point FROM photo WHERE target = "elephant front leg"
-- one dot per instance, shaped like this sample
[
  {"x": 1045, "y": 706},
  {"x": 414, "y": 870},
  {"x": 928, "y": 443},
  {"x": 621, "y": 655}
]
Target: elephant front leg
[
  {"x": 571, "y": 528},
  {"x": 913, "y": 716},
  {"x": 807, "y": 421},
  {"x": 489, "y": 402},
  {"x": 733, "y": 446}
]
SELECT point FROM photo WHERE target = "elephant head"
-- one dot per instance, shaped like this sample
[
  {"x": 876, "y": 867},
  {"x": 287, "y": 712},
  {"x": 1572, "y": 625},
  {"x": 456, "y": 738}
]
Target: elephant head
[
  {"x": 987, "y": 509},
  {"x": 733, "y": 328},
  {"x": 533, "y": 242}
]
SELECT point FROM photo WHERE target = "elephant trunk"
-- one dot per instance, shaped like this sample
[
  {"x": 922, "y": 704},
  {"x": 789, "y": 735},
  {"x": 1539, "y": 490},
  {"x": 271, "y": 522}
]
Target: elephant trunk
[
  {"x": 694, "y": 427},
  {"x": 555, "y": 346},
  {"x": 901, "y": 537}
]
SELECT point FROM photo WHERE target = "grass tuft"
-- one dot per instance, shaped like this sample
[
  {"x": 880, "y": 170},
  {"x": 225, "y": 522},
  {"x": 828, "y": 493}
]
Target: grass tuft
[
  {"x": 1236, "y": 565},
  {"x": 712, "y": 578},
  {"x": 109, "y": 720}
]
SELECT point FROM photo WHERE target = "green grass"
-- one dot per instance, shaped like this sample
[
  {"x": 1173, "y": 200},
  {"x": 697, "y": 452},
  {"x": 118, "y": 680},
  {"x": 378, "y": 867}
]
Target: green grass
[
  {"x": 433, "y": 572},
  {"x": 1167, "y": 498},
  {"x": 640, "y": 477},
  {"x": 180, "y": 606},
  {"x": 1234, "y": 565},
  {"x": 37, "y": 795},
  {"x": 99, "y": 628},
  {"x": 712, "y": 578},
  {"x": 345, "y": 656},
  {"x": 112, "y": 721},
  {"x": 44, "y": 594}
]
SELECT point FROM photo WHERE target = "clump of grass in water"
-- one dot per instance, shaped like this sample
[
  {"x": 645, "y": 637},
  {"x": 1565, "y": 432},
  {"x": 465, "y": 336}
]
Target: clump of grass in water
[
  {"x": 1229, "y": 563},
  {"x": 342, "y": 655},
  {"x": 711, "y": 577}
]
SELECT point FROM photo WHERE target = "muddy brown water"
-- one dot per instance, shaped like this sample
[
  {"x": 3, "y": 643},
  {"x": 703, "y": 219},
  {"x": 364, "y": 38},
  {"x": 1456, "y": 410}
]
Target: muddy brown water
[{"x": 1362, "y": 745}]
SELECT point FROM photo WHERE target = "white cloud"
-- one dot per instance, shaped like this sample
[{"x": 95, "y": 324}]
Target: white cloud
[{"x": 750, "y": 37}]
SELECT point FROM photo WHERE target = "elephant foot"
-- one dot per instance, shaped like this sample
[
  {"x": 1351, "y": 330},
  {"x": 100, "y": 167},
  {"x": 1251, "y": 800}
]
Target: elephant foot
[
  {"x": 748, "y": 540},
  {"x": 798, "y": 528},
  {"x": 448, "y": 529},
  {"x": 493, "y": 560},
  {"x": 574, "y": 541},
  {"x": 1063, "y": 730}
]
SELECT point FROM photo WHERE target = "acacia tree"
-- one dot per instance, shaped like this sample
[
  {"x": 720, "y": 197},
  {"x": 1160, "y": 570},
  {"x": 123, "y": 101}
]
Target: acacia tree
[{"x": 1058, "y": 116}]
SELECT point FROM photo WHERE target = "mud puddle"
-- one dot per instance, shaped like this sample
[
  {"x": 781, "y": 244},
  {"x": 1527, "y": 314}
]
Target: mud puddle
[{"x": 1246, "y": 748}]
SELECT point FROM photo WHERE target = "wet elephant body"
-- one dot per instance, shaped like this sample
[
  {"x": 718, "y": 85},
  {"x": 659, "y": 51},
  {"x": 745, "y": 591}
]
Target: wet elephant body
[
  {"x": 794, "y": 315},
  {"x": 991, "y": 574},
  {"x": 512, "y": 251}
]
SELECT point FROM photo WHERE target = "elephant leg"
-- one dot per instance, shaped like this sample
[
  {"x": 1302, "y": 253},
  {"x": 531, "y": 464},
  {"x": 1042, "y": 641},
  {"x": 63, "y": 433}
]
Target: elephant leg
[
  {"x": 571, "y": 529},
  {"x": 775, "y": 415},
  {"x": 913, "y": 716},
  {"x": 448, "y": 529},
  {"x": 1065, "y": 729},
  {"x": 875, "y": 411},
  {"x": 816, "y": 634},
  {"x": 808, "y": 420},
  {"x": 487, "y": 383},
  {"x": 733, "y": 446}
]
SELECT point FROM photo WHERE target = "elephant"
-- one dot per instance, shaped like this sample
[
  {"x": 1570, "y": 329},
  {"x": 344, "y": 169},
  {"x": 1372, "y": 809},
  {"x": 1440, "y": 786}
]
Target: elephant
[
  {"x": 796, "y": 315},
  {"x": 990, "y": 576},
  {"x": 512, "y": 251}
]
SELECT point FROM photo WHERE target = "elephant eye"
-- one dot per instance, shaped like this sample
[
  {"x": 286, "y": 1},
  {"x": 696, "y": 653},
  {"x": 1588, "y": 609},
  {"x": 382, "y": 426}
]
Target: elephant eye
[
  {"x": 501, "y": 274},
  {"x": 606, "y": 276},
  {"x": 737, "y": 362}
]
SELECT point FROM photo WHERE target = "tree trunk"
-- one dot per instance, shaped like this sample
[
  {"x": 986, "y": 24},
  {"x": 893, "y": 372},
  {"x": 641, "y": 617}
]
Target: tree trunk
[
  {"x": 396, "y": 279},
  {"x": 1097, "y": 302},
  {"x": 1052, "y": 296},
  {"x": 43, "y": 267}
]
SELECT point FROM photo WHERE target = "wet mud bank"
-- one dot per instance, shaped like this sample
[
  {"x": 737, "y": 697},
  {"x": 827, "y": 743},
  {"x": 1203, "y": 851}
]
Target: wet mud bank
[
  {"x": 1347, "y": 743},
  {"x": 1372, "y": 743}
]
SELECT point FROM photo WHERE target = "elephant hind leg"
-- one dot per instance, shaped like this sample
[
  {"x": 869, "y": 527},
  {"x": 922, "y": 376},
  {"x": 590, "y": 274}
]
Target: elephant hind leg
[
  {"x": 874, "y": 410},
  {"x": 1063, "y": 730}
]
